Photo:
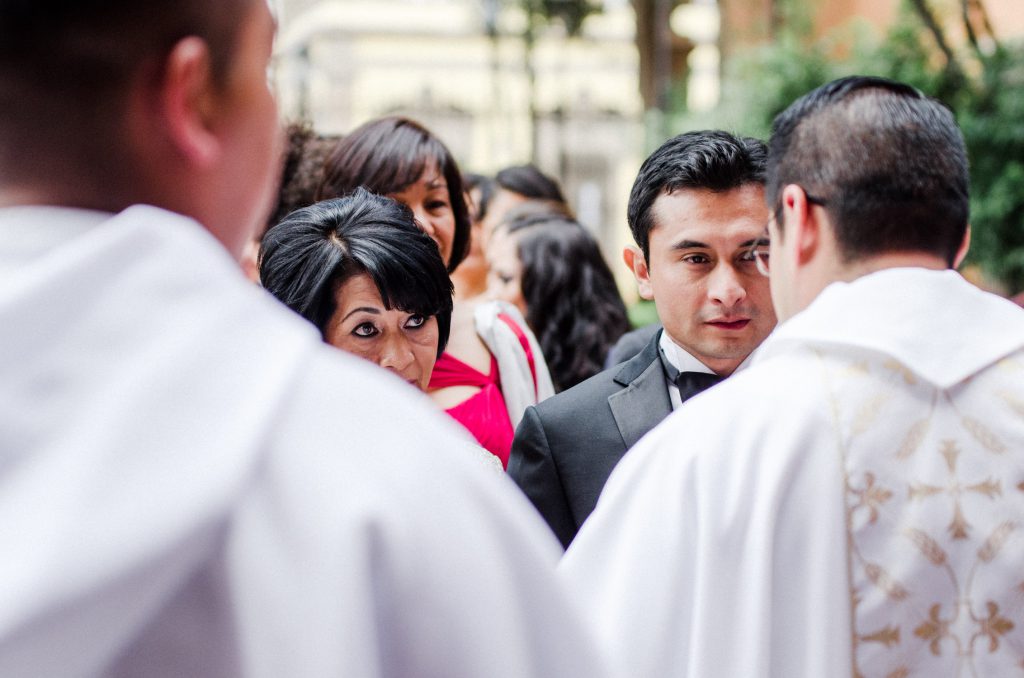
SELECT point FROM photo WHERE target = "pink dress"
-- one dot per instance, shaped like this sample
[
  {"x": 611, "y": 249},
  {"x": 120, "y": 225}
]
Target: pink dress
[{"x": 484, "y": 414}]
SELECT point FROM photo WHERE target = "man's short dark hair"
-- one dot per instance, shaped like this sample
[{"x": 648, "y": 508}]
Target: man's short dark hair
[
  {"x": 887, "y": 163},
  {"x": 711, "y": 160},
  {"x": 65, "y": 68},
  {"x": 315, "y": 249}
]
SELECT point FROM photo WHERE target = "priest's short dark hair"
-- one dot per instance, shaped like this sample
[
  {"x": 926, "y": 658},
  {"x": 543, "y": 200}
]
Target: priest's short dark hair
[
  {"x": 887, "y": 163},
  {"x": 66, "y": 68}
]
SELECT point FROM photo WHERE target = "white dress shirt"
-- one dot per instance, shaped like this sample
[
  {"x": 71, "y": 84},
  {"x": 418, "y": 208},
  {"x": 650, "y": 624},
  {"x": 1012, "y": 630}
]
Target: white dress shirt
[{"x": 681, "y": 359}]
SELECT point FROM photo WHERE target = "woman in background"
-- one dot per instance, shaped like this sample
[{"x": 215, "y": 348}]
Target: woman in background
[
  {"x": 492, "y": 368},
  {"x": 551, "y": 268},
  {"x": 401, "y": 159},
  {"x": 510, "y": 188},
  {"x": 304, "y": 154},
  {"x": 470, "y": 278}
]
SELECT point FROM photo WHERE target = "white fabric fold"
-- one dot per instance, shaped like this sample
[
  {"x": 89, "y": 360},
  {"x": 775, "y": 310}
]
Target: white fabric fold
[
  {"x": 517, "y": 378},
  {"x": 849, "y": 505},
  {"x": 900, "y": 312},
  {"x": 193, "y": 484}
]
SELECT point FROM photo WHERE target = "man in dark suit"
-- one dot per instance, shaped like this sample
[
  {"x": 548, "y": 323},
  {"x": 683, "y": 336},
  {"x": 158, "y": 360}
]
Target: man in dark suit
[{"x": 697, "y": 214}]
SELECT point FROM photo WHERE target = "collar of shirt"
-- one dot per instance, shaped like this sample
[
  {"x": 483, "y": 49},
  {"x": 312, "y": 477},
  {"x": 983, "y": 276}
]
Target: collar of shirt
[{"x": 676, "y": 359}]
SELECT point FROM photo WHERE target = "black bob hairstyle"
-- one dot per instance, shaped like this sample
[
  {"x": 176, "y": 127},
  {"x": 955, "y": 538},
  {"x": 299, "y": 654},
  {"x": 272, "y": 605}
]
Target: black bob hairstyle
[
  {"x": 306, "y": 257},
  {"x": 572, "y": 302},
  {"x": 712, "y": 160},
  {"x": 388, "y": 155}
]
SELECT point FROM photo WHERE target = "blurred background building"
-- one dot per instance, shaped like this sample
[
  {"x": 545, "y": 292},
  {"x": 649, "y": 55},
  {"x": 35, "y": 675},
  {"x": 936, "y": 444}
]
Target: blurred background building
[
  {"x": 586, "y": 88},
  {"x": 498, "y": 86}
]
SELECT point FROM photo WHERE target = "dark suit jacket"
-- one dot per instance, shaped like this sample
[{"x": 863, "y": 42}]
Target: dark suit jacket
[
  {"x": 630, "y": 344},
  {"x": 566, "y": 447}
]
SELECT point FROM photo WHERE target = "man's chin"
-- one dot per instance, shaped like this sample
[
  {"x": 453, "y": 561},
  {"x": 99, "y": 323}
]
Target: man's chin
[{"x": 728, "y": 350}]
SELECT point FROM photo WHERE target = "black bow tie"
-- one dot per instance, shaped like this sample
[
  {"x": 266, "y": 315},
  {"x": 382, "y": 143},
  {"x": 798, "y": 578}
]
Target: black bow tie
[{"x": 692, "y": 383}]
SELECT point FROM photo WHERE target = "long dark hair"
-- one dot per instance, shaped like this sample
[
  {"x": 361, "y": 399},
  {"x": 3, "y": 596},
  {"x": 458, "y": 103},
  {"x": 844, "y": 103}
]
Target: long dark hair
[
  {"x": 386, "y": 156},
  {"x": 572, "y": 303},
  {"x": 317, "y": 248}
]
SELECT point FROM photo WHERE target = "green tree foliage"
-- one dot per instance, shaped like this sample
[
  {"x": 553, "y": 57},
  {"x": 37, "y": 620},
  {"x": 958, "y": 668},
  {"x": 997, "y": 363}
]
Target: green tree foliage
[{"x": 982, "y": 82}]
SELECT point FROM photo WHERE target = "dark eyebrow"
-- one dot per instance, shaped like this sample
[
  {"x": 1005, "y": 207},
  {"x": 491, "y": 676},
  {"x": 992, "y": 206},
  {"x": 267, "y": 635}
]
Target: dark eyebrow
[
  {"x": 365, "y": 309},
  {"x": 690, "y": 245}
]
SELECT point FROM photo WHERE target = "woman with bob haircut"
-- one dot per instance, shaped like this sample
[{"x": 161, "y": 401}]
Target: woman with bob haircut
[
  {"x": 373, "y": 283},
  {"x": 551, "y": 268},
  {"x": 493, "y": 368}
]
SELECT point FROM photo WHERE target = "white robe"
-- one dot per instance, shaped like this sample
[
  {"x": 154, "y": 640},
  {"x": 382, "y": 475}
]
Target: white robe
[
  {"x": 192, "y": 484},
  {"x": 852, "y": 504}
]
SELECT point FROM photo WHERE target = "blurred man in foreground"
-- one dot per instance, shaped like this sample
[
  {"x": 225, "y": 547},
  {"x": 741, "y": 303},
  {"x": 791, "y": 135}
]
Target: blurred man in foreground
[
  {"x": 191, "y": 484},
  {"x": 852, "y": 504}
]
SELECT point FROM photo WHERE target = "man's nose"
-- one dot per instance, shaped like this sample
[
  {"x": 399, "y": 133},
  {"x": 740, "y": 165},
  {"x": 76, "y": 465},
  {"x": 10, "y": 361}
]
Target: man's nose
[{"x": 725, "y": 285}]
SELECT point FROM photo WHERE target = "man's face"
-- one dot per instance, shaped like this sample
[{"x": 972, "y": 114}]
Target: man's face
[
  {"x": 704, "y": 281},
  {"x": 250, "y": 131}
]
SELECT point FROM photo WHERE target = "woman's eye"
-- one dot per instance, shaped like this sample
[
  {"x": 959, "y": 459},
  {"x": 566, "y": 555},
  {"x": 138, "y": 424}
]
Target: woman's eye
[
  {"x": 437, "y": 205},
  {"x": 505, "y": 278},
  {"x": 364, "y": 330},
  {"x": 415, "y": 321}
]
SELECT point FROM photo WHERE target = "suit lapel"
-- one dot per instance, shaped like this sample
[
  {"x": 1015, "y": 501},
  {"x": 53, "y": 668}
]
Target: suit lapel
[{"x": 644, "y": 403}]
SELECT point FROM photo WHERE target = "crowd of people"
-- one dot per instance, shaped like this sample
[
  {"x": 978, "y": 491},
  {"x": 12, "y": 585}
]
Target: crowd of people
[{"x": 813, "y": 465}]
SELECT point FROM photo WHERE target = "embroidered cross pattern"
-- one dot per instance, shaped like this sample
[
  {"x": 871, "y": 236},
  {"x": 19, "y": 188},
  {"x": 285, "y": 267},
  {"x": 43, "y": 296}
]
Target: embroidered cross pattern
[
  {"x": 938, "y": 613},
  {"x": 959, "y": 527}
]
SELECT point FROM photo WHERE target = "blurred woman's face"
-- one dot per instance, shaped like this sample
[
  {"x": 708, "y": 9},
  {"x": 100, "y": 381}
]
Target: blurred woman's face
[
  {"x": 473, "y": 199},
  {"x": 431, "y": 204},
  {"x": 501, "y": 203},
  {"x": 404, "y": 343},
  {"x": 505, "y": 270}
]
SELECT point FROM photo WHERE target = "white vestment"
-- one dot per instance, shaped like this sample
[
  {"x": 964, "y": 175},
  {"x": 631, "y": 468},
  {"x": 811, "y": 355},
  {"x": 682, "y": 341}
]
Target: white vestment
[
  {"x": 851, "y": 505},
  {"x": 192, "y": 484}
]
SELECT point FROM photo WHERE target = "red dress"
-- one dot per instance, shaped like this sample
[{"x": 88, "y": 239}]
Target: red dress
[{"x": 484, "y": 414}]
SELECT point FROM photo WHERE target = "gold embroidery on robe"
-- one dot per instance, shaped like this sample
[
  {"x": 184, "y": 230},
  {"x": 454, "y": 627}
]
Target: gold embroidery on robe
[{"x": 932, "y": 534}]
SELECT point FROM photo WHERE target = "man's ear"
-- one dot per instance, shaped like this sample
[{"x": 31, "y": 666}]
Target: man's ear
[
  {"x": 188, "y": 99},
  {"x": 635, "y": 262},
  {"x": 802, "y": 225},
  {"x": 965, "y": 245}
]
